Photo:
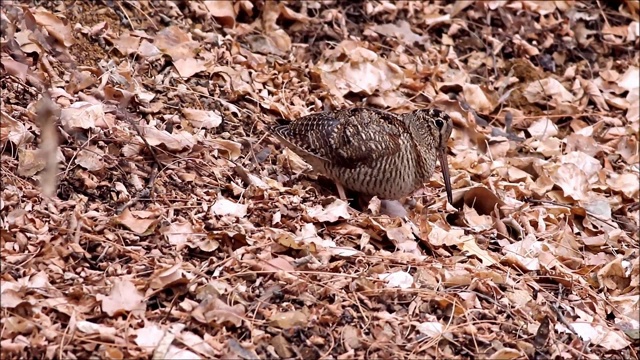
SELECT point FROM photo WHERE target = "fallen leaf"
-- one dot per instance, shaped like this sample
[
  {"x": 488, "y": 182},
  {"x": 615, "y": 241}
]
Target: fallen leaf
[
  {"x": 30, "y": 162},
  {"x": 231, "y": 148},
  {"x": 140, "y": 222},
  {"x": 594, "y": 94},
  {"x": 362, "y": 71},
  {"x": 401, "y": 30},
  {"x": 478, "y": 99},
  {"x": 571, "y": 180},
  {"x": 482, "y": 199},
  {"x": 123, "y": 297},
  {"x": 178, "y": 140},
  {"x": 543, "y": 90},
  {"x": 597, "y": 334},
  {"x": 468, "y": 243},
  {"x": 176, "y": 43},
  {"x": 165, "y": 278},
  {"x": 82, "y": 115},
  {"x": 431, "y": 329},
  {"x": 126, "y": 44},
  {"x": 90, "y": 158},
  {"x": 224, "y": 207},
  {"x": 216, "y": 311},
  {"x": 289, "y": 319},
  {"x": 149, "y": 336},
  {"x": 202, "y": 118},
  {"x": 543, "y": 128},
  {"x": 55, "y": 27},
  {"x": 223, "y": 11},
  {"x": 15, "y": 68},
  {"x": 90, "y": 328},
  {"x": 334, "y": 211},
  {"x": 188, "y": 67},
  {"x": 14, "y": 131},
  {"x": 399, "y": 279},
  {"x": 628, "y": 184}
]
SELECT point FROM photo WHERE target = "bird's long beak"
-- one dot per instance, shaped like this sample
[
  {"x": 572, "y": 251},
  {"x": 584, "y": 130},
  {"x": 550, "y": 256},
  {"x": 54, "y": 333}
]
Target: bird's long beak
[{"x": 444, "y": 164}]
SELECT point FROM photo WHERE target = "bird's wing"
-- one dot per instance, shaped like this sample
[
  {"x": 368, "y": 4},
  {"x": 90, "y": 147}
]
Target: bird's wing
[{"x": 349, "y": 138}]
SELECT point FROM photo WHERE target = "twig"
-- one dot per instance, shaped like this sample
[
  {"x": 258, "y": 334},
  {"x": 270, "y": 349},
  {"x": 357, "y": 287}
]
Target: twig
[{"x": 562, "y": 319}]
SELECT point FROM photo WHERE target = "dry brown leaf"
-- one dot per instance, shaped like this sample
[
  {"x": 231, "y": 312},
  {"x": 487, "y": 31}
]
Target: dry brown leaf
[
  {"x": 361, "y": 71},
  {"x": 82, "y": 115},
  {"x": 627, "y": 184},
  {"x": 231, "y": 148},
  {"x": 598, "y": 334},
  {"x": 543, "y": 90},
  {"x": 276, "y": 42},
  {"x": 180, "y": 234},
  {"x": 90, "y": 158},
  {"x": 15, "y": 68},
  {"x": 27, "y": 45},
  {"x": 224, "y": 207},
  {"x": 149, "y": 336},
  {"x": 187, "y": 67},
  {"x": 439, "y": 236},
  {"x": 308, "y": 235},
  {"x": 549, "y": 147},
  {"x": 589, "y": 165},
  {"x": 140, "y": 222},
  {"x": 176, "y": 141},
  {"x": 571, "y": 179},
  {"x": 629, "y": 81},
  {"x": 55, "y": 27},
  {"x": 223, "y": 11},
  {"x": 398, "y": 279},
  {"x": 127, "y": 44},
  {"x": 204, "y": 119},
  {"x": 543, "y": 128},
  {"x": 14, "y": 131},
  {"x": 30, "y": 162},
  {"x": 216, "y": 311},
  {"x": 294, "y": 161},
  {"x": 401, "y": 30},
  {"x": 176, "y": 43},
  {"x": 594, "y": 93},
  {"x": 106, "y": 333},
  {"x": 165, "y": 278},
  {"x": 478, "y": 99},
  {"x": 289, "y": 319},
  {"x": 524, "y": 254},
  {"x": 196, "y": 343},
  {"x": 334, "y": 211},
  {"x": 482, "y": 199},
  {"x": 123, "y": 297},
  {"x": 403, "y": 238},
  {"x": 468, "y": 244},
  {"x": 148, "y": 50}
]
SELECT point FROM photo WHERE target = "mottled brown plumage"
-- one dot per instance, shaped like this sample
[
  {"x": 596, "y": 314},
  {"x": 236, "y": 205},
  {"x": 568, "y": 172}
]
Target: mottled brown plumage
[{"x": 371, "y": 151}]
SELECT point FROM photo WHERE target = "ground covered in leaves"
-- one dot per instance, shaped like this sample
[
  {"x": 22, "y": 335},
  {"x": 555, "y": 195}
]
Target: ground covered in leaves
[{"x": 146, "y": 212}]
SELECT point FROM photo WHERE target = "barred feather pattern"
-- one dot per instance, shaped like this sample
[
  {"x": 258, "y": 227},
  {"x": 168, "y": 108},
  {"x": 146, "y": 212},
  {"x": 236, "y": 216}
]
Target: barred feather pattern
[{"x": 370, "y": 151}]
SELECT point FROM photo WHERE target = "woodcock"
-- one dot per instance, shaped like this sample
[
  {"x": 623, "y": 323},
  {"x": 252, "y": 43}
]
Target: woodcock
[{"x": 371, "y": 151}]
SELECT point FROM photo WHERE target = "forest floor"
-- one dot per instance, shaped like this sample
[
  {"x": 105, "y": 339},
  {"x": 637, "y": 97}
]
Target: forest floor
[{"x": 146, "y": 212}]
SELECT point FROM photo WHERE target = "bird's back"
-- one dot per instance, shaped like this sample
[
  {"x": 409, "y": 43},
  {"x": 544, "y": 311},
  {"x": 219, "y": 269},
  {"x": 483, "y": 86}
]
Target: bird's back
[{"x": 367, "y": 150}]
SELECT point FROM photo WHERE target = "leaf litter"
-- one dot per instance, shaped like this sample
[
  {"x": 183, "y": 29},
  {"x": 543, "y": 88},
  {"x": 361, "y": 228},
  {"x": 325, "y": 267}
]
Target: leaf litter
[{"x": 180, "y": 229}]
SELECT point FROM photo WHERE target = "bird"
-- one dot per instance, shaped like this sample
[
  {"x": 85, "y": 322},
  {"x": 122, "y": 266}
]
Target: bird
[{"x": 371, "y": 151}]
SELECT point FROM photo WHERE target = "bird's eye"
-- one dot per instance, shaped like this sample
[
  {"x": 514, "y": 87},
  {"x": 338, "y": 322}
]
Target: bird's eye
[{"x": 439, "y": 123}]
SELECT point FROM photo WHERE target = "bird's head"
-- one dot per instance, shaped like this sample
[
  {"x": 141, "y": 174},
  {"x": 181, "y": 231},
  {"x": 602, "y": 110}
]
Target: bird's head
[{"x": 433, "y": 128}]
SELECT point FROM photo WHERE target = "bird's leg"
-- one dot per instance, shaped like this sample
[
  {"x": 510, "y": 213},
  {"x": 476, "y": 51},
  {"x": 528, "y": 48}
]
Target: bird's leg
[{"x": 341, "y": 192}]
